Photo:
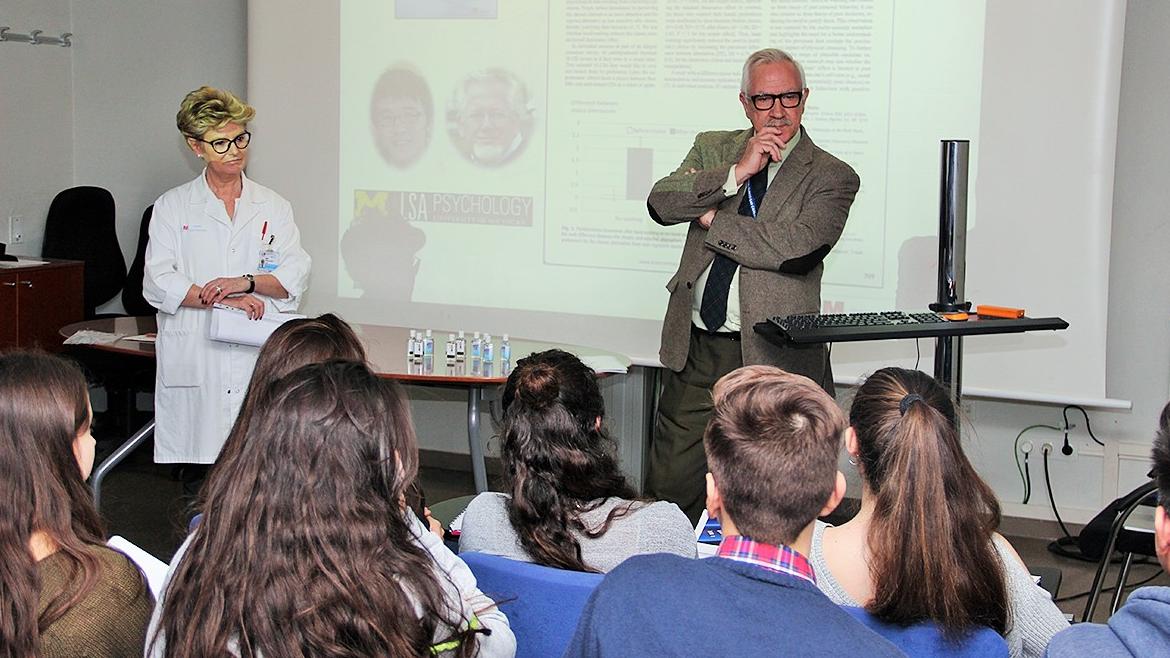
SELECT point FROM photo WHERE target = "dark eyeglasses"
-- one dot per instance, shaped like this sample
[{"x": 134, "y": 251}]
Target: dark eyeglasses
[
  {"x": 788, "y": 99},
  {"x": 241, "y": 140}
]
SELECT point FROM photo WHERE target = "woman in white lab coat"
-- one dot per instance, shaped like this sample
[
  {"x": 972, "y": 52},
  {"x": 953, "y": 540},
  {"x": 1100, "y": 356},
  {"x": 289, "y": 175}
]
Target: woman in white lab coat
[{"x": 224, "y": 239}]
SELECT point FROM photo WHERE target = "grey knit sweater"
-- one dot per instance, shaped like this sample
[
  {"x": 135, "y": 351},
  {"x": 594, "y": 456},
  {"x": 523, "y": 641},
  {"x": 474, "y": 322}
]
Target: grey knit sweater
[
  {"x": 657, "y": 527},
  {"x": 1034, "y": 618}
]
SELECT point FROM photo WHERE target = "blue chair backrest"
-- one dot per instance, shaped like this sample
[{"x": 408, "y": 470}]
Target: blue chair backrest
[
  {"x": 926, "y": 639},
  {"x": 543, "y": 604}
]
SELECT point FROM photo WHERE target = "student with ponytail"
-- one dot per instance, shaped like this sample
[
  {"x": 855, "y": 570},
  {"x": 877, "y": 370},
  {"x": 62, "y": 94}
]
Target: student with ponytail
[
  {"x": 924, "y": 545},
  {"x": 568, "y": 504},
  {"x": 62, "y": 591}
]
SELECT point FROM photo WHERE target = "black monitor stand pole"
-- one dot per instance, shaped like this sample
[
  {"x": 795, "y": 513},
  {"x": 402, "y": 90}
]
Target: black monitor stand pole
[{"x": 952, "y": 260}]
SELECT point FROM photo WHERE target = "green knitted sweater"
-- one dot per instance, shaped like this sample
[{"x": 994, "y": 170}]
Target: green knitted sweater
[{"x": 110, "y": 621}]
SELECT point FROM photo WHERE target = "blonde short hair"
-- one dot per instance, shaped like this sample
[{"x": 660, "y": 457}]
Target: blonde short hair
[{"x": 208, "y": 108}]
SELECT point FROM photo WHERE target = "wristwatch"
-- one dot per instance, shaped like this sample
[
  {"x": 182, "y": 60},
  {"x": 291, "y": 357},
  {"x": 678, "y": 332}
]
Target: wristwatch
[{"x": 251, "y": 283}]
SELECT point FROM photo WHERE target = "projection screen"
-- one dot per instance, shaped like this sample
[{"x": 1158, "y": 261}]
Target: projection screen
[{"x": 483, "y": 164}]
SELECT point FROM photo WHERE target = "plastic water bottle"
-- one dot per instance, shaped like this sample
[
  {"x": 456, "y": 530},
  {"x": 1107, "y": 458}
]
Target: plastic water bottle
[
  {"x": 505, "y": 352},
  {"x": 460, "y": 347},
  {"x": 488, "y": 348},
  {"x": 476, "y": 346},
  {"x": 429, "y": 345},
  {"x": 410, "y": 346},
  {"x": 450, "y": 348},
  {"x": 418, "y": 345}
]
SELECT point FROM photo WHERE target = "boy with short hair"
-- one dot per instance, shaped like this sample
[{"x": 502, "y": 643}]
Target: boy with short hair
[
  {"x": 1142, "y": 626},
  {"x": 772, "y": 446}
]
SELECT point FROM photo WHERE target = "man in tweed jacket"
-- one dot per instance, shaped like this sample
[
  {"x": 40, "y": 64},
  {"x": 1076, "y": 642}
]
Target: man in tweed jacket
[{"x": 777, "y": 258}]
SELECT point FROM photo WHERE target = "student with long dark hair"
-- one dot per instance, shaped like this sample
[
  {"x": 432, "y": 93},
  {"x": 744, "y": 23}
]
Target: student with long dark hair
[
  {"x": 62, "y": 591},
  {"x": 305, "y": 548},
  {"x": 924, "y": 545},
  {"x": 569, "y": 506},
  {"x": 293, "y": 344},
  {"x": 298, "y": 343}
]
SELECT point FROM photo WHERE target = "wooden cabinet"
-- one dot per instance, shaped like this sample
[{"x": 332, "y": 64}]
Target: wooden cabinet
[{"x": 37, "y": 300}]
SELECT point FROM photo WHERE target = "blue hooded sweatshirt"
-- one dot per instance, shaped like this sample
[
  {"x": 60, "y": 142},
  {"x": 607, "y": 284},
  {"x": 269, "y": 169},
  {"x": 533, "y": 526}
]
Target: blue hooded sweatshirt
[{"x": 1140, "y": 628}]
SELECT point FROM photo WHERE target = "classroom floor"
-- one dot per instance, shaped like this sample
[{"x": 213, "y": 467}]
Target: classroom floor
[{"x": 143, "y": 502}]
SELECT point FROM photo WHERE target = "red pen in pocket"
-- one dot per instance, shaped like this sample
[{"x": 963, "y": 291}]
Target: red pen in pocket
[{"x": 263, "y": 231}]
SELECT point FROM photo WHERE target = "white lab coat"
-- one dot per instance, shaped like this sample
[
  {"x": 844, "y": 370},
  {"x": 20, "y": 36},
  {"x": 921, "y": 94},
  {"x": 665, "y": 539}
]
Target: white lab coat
[{"x": 201, "y": 383}]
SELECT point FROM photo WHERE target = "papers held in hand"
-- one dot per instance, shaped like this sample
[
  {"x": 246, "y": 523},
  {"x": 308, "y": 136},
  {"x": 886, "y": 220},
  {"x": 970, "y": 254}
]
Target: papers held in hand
[{"x": 231, "y": 325}]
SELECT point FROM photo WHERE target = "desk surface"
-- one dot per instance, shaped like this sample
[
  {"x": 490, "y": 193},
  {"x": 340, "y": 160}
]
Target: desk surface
[
  {"x": 26, "y": 263},
  {"x": 385, "y": 347}
]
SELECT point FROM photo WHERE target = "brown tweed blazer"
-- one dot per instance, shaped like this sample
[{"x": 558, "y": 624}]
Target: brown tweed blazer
[{"x": 780, "y": 252}]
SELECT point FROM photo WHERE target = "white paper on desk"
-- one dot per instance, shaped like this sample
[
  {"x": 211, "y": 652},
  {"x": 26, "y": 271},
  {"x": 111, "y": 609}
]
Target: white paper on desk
[
  {"x": 231, "y": 325},
  {"x": 604, "y": 363},
  {"x": 142, "y": 338},
  {"x": 12, "y": 264},
  {"x": 153, "y": 568},
  {"x": 92, "y": 337}
]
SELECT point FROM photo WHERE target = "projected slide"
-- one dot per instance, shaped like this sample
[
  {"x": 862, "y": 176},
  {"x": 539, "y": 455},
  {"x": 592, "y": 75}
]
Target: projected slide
[{"x": 499, "y": 154}]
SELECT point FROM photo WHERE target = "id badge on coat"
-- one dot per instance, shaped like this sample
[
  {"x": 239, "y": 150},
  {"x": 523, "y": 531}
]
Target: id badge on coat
[{"x": 269, "y": 259}]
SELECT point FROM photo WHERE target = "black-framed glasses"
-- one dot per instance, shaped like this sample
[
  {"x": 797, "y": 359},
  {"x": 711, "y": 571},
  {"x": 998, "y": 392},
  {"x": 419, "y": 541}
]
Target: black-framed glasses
[
  {"x": 788, "y": 99},
  {"x": 241, "y": 140}
]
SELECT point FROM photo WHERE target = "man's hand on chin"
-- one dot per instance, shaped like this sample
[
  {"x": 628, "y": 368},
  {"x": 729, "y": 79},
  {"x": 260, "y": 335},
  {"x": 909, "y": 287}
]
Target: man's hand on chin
[{"x": 764, "y": 148}]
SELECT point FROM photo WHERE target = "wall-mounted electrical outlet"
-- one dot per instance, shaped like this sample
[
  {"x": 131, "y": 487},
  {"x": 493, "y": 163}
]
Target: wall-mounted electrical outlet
[{"x": 15, "y": 229}]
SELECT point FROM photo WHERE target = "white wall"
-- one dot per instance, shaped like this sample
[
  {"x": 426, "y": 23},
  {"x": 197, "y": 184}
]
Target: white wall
[
  {"x": 36, "y": 118},
  {"x": 1139, "y": 274},
  {"x": 134, "y": 60},
  {"x": 103, "y": 111},
  {"x": 1138, "y": 347}
]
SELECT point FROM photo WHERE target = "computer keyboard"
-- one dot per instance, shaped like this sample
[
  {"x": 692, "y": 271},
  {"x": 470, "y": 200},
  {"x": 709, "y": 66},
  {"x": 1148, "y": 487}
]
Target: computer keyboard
[
  {"x": 882, "y": 318},
  {"x": 837, "y": 327},
  {"x": 883, "y": 325}
]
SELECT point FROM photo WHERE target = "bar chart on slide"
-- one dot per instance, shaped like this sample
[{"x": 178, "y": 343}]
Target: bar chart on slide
[{"x": 601, "y": 219}]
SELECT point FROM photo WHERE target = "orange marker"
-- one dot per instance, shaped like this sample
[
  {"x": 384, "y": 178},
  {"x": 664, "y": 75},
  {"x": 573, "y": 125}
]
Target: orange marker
[{"x": 986, "y": 310}]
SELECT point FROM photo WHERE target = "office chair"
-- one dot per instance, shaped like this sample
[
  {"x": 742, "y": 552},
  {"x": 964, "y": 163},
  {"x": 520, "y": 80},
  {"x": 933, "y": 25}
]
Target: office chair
[
  {"x": 543, "y": 604},
  {"x": 926, "y": 639},
  {"x": 132, "y": 299},
  {"x": 1107, "y": 533},
  {"x": 80, "y": 226}
]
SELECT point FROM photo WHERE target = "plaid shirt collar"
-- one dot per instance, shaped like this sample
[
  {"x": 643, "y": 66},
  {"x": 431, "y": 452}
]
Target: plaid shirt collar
[{"x": 781, "y": 559}]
